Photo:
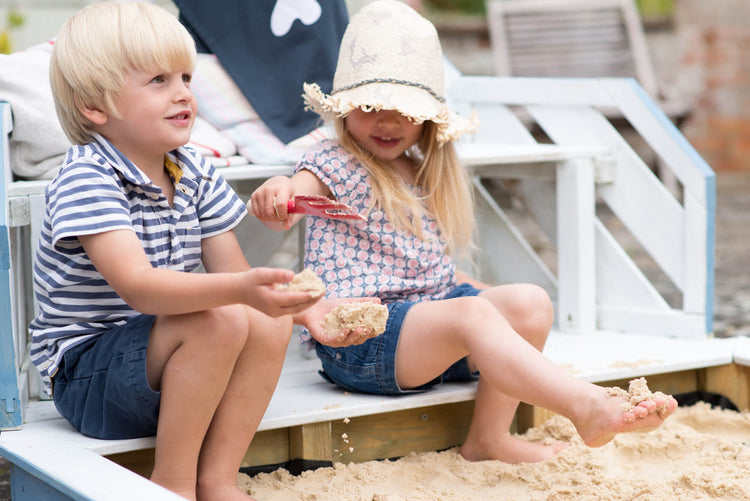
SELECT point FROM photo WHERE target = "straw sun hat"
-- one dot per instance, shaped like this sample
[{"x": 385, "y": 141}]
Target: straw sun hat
[{"x": 390, "y": 58}]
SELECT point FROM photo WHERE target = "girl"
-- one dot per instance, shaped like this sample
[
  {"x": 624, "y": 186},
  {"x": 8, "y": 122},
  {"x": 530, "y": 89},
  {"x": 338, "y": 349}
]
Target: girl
[{"x": 394, "y": 161}]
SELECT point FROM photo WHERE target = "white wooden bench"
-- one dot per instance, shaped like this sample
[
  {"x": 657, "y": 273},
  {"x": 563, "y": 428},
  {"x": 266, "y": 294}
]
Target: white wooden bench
[
  {"x": 612, "y": 323},
  {"x": 579, "y": 39}
]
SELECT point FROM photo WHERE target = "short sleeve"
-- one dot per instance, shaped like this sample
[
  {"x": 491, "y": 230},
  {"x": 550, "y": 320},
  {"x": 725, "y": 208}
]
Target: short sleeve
[{"x": 83, "y": 200}]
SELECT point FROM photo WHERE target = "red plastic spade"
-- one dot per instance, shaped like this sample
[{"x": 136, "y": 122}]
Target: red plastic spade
[{"x": 318, "y": 205}]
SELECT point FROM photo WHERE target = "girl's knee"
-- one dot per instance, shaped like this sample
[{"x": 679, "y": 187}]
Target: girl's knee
[{"x": 535, "y": 313}]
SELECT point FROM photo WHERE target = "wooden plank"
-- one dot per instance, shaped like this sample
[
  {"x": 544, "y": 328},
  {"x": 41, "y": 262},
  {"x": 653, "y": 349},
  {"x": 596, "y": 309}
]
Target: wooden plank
[
  {"x": 139, "y": 461},
  {"x": 268, "y": 447},
  {"x": 518, "y": 262},
  {"x": 26, "y": 487},
  {"x": 732, "y": 381},
  {"x": 10, "y": 398},
  {"x": 645, "y": 116},
  {"x": 519, "y": 91},
  {"x": 576, "y": 273},
  {"x": 606, "y": 356},
  {"x": 674, "y": 323},
  {"x": 396, "y": 434},
  {"x": 620, "y": 283},
  {"x": 672, "y": 383},
  {"x": 311, "y": 441},
  {"x": 584, "y": 39},
  {"x": 82, "y": 474},
  {"x": 659, "y": 229}
]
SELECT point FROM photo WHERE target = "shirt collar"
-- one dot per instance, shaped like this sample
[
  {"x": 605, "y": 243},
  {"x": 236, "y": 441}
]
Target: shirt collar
[{"x": 131, "y": 172}]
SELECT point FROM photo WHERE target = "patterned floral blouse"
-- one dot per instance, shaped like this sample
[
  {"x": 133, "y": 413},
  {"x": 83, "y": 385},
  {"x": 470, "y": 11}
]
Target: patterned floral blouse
[{"x": 370, "y": 258}]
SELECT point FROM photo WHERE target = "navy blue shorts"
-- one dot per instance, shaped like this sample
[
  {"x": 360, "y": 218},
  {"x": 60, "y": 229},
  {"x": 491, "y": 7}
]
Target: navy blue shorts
[
  {"x": 371, "y": 366},
  {"x": 101, "y": 386}
]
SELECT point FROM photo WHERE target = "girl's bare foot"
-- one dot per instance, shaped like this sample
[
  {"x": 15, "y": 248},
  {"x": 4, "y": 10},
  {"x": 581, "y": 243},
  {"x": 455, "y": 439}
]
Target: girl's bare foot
[
  {"x": 510, "y": 449},
  {"x": 612, "y": 412}
]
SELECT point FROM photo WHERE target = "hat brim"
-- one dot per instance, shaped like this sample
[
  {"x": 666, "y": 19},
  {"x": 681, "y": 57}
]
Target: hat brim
[{"x": 413, "y": 102}]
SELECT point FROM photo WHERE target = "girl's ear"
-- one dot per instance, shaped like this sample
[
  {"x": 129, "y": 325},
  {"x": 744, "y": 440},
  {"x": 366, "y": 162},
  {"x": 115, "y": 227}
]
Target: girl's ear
[{"x": 94, "y": 114}]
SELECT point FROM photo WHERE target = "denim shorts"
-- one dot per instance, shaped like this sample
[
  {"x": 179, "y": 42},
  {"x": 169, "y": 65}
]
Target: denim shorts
[
  {"x": 371, "y": 366},
  {"x": 101, "y": 386}
]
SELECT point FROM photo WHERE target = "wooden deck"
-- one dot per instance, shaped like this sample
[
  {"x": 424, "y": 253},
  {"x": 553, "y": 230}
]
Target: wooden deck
[{"x": 612, "y": 324}]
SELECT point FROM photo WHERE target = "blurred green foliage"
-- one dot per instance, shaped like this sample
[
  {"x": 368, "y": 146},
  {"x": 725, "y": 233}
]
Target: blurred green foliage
[
  {"x": 13, "y": 20},
  {"x": 648, "y": 8},
  {"x": 655, "y": 8},
  {"x": 459, "y": 6}
]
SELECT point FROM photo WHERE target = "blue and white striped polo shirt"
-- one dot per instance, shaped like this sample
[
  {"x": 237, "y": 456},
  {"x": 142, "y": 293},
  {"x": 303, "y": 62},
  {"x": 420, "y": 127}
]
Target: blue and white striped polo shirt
[{"x": 96, "y": 190}]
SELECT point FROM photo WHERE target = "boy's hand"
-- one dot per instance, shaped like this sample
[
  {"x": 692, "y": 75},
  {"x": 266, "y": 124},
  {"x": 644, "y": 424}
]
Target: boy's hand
[
  {"x": 268, "y": 203},
  {"x": 263, "y": 296},
  {"x": 312, "y": 319}
]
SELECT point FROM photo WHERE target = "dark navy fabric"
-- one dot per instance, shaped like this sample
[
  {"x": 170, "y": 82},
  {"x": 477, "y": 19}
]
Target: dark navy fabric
[
  {"x": 269, "y": 60},
  {"x": 101, "y": 386}
]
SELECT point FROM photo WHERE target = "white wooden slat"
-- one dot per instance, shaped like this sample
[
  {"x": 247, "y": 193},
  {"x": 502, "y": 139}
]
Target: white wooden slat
[
  {"x": 518, "y": 91},
  {"x": 507, "y": 256},
  {"x": 619, "y": 281},
  {"x": 643, "y": 204},
  {"x": 588, "y": 27},
  {"x": 498, "y": 124},
  {"x": 576, "y": 274},
  {"x": 608, "y": 356},
  {"x": 741, "y": 352},
  {"x": 540, "y": 199},
  {"x": 696, "y": 297},
  {"x": 661, "y": 135},
  {"x": 674, "y": 323},
  {"x": 84, "y": 475}
]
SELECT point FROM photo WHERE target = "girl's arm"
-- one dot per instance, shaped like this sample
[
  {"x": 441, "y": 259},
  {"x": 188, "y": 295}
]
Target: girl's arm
[
  {"x": 268, "y": 202},
  {"x": 466, "y": 279},
  {"x": 119, "y": 257}
]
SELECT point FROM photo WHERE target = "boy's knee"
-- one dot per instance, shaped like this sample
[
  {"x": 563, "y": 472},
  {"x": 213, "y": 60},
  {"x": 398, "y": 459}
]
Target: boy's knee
[
  {"x": 228, "y": 326},
  {"x": 272, "y": 332}
]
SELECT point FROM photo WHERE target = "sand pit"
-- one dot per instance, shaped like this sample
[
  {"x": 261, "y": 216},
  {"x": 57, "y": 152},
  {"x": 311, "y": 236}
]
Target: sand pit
[{"x": 699, "y": 453}]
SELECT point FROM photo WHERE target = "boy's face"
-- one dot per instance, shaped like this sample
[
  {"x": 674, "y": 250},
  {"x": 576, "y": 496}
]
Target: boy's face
[{"x": 157, "y": 111}]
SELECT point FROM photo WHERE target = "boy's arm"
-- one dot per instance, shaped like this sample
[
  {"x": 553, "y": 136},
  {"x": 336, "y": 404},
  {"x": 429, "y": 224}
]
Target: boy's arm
[
  {"x": 119, "y": 257},
  {"x": 222, "y": 253}
]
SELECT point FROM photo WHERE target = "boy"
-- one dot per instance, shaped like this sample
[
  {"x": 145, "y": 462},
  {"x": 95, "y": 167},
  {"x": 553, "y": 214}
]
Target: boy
[{"x": 131, "y": 344}]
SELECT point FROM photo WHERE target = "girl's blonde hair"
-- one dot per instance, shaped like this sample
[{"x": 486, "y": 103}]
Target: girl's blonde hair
[
  {"x": 98, "y": 45},
  {"x": 444, "y": 182}
]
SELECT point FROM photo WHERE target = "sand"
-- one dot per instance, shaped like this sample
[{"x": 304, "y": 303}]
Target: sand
[
  {"x": 349, "y": 316},
  {"x": 699, "y": 453},
  {"x": 306, "y": 281}
]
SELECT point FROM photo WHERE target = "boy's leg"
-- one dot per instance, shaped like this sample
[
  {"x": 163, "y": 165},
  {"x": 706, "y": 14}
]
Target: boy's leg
[
  {"x": 459, "y": 327},
  {"x": 192, "y": 359},
  {"x": 240, "y": 411}
]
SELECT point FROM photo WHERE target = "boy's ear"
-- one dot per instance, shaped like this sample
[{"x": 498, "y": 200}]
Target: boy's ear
[{"x": 94, "y": 114}]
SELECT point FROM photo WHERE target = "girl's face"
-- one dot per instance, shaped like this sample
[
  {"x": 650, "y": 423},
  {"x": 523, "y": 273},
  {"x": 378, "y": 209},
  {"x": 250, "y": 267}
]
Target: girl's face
[{"x": 386, "y": 134}]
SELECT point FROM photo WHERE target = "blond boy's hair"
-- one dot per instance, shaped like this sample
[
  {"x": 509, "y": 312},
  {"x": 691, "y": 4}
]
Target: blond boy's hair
[
  {"x": 98, "y": 45},
  {"x": 445, "y": 184}
]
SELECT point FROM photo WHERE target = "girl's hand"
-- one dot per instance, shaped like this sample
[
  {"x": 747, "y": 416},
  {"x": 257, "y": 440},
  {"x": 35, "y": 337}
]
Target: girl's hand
[
  {"x": 312, "y": 319},
  {"x": 268, "y": 203}
]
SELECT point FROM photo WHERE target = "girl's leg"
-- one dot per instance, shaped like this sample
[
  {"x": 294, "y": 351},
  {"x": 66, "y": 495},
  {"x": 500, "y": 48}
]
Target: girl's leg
[
  {"x": 510, "y": 365},
  {"x": 529, "y": 312},
  {"x": 195, "y": 360}
]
